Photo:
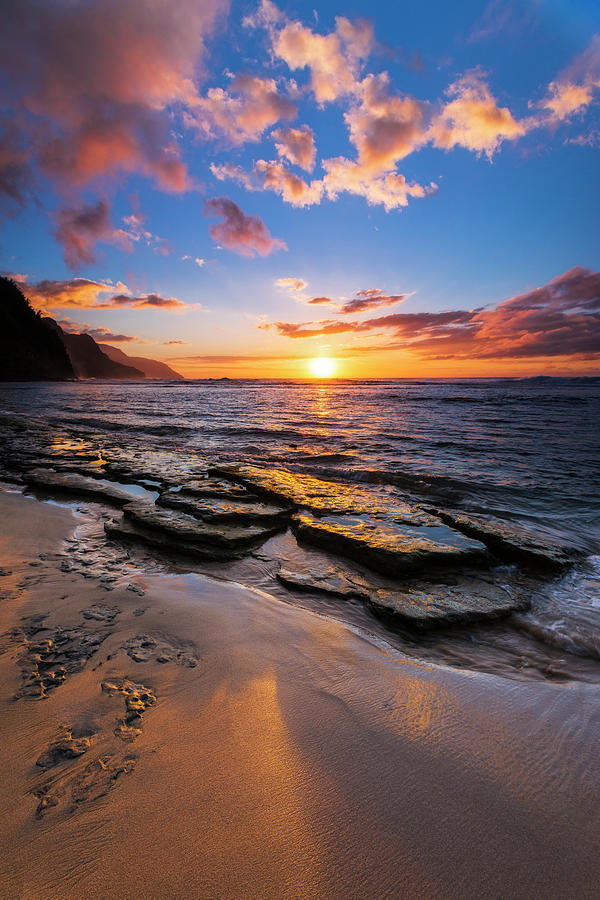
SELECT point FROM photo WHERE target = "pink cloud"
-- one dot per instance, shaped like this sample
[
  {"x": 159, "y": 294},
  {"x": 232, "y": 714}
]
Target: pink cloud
[
  {"x": 78, "y": 230},
  {"x": 297, "y": 145},
  {"x": 562, "y": 318},
  {"x": 243, "y": 112},
  {"x": 371, "y": 299},
  {"x": 243, "y": 234},
  {"x": 98, "y": 79},
  {"x": 97, "y": 332},
  {"x": 274, "y": 176},
  {"x": 385, "y": 127}
]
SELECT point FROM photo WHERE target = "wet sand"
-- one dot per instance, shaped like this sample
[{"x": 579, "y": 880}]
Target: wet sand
[{"x": 195, "y": 739}]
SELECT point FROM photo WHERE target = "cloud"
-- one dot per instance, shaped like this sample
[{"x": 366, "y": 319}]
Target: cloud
[
  {"x": 15, "y": 172},
  {"x": 97, "y": 332},
  {"x": 391, "y": 190},
  {"x": 371, "y": 299},
  {"x": 502, "y": 16},
  {"x": 85, "y": 293},
  {"x": 573, "y": 90},
  {"x": 79, "y": 229},
  {"x": 145, "y": 301},
  {"x": 562, "y": 318},
  {"x": 334, "y": 60},
  {"x": 297, "y": 145},
  {"x": 172, "y": 343},
  {"x": 294, "y": 285},
  {"x": 275, "y": 177},
  {"x": 473, "y": 119},
  {"x": 384, "y": 127},
  {"x": 242, "y": 113},
  {"x": 243, "y": 234},
  {"x": 197, "y": 259},
  {"x": 98, "y": 79},
  {"x": 272, "y": 176}
]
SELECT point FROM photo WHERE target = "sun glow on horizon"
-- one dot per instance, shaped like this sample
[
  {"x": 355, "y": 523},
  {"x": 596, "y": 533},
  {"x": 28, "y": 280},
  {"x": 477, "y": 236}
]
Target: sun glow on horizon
[{"x": 322, "y": 367}]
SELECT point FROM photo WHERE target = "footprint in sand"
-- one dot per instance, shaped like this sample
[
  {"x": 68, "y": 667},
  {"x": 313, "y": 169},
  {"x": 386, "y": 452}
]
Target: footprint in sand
[
  {"x": 95, "y": 780},
  {"x": 162, "y": 648}
]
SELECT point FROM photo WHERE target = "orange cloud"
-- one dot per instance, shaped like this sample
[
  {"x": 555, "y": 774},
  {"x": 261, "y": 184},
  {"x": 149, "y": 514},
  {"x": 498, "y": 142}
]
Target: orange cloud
[
  {"x": 573, "y": 90},
  {"x": 472, "y": 119},
  {"x": 297, "y": 145},
  {"x": 294, "y": 285},
  {"x": 334, "y": 60},
  {"x": 391, "y": 190},
  {"x": 84, "y": 293},
  {"x": 243, "y": 112},
  {"x": 243, "y": 234},
  {"x": 562, "y": 318}
]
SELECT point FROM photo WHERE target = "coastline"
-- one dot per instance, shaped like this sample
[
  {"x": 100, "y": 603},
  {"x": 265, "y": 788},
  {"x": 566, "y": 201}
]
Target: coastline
[{"x": 279, "y": 754}]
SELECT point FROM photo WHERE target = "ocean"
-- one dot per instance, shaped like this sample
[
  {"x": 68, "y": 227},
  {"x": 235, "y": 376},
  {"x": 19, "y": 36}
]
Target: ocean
[{"x": 526, "y": 452}]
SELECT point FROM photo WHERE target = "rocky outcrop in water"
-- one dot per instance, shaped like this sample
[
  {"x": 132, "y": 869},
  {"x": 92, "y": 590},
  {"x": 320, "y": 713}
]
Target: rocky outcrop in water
[
  {"x": 417, "y": 566},
  {"x": 512, "y": 543},
  {"x": 388, "y": 547}
]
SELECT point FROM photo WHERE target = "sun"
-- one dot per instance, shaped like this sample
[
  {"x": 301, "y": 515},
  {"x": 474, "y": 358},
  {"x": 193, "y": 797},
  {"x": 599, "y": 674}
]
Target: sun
[{"x": 322, "y": 367}]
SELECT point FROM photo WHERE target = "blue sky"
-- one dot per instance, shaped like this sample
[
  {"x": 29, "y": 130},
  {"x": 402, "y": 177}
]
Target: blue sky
[{"x": 119, "y": 146}]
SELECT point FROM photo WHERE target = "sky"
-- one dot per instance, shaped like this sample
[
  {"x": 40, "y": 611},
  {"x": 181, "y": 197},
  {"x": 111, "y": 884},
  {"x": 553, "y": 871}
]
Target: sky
[{"x": 239, "y": 188}]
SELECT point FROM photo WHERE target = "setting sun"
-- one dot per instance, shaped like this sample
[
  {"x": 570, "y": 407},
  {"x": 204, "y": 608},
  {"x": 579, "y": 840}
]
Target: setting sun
[{"x": 322, "y": 367}]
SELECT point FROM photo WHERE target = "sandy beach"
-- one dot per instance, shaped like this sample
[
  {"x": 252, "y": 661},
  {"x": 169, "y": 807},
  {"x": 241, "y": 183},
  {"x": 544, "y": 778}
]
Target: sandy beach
[{"x": 205, "y": 740}]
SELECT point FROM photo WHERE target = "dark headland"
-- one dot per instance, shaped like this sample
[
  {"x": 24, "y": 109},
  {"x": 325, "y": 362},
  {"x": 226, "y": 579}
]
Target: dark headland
[{"x": 34, "y": 347}]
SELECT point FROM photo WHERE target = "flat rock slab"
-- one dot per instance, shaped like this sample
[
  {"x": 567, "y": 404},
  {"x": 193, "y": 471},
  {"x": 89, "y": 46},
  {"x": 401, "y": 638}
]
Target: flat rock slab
[
  {"x": 390, "y": 548},
  {"x": 512, "y": 543},
  {"x": 472, "y": 599},
  {"x": 323, "y": 580},
  {"x": 178, "y": 525},
  {"x": 320, "y": 496},
  {"x": 214, "y": 509},
  {"x": 129, "y": 533},
  {"x": 216, "y": 487},
  {"x": 442, "y": 605},
  {"x": 71, "y": 483}
]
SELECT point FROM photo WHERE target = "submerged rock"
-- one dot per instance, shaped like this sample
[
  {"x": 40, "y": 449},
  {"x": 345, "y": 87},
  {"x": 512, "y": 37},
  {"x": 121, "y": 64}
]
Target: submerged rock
[
  {"x": 80, "y": 485},
  {"x": 389, "y": 547},
  {"x": 324, "y": 580},
  {"x": 213, "y": 509},
  {"x": 513, "y": 543},
  {"x": 472, "y": 600},
  {"x": 417, "y": 604}
]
